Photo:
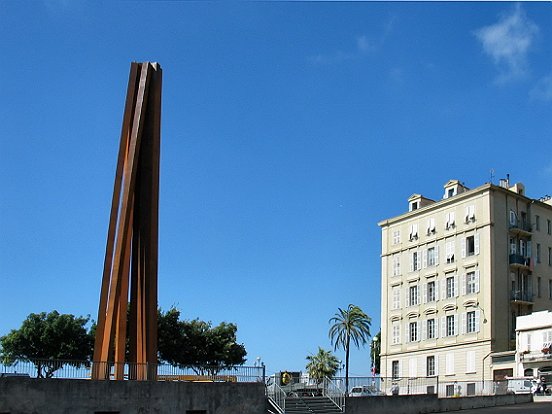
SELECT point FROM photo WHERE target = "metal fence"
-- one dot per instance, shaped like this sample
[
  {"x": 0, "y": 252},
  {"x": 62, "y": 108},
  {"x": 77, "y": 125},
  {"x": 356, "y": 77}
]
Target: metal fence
[
  {"x": 162, "y": 372},
  {"x": 425, "y": 385}
]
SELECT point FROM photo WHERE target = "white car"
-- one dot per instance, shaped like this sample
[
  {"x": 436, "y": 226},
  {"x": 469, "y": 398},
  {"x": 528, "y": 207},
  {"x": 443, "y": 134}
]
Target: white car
[{"x": 364, "y": 391}]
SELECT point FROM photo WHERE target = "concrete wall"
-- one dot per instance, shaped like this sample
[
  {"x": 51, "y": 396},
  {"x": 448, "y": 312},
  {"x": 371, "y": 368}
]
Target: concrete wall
[
  {"x": 59, "y": 396},
  {"x": 421, "y": 404}
]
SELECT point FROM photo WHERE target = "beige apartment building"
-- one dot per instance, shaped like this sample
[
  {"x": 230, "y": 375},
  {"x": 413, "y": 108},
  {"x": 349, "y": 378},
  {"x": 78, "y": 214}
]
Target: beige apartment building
[{"x": 455, "y": 275}]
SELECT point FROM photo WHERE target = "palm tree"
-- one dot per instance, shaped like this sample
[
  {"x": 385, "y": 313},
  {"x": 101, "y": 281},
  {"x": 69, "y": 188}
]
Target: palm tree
[
  {"x": 321, "y": 365},
  {"x": 349, "y": 325}
]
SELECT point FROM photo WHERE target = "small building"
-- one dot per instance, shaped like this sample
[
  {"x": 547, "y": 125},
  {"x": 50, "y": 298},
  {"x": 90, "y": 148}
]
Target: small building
[{"x": 534, "y": 345}]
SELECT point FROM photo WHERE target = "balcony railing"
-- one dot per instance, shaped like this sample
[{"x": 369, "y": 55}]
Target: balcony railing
[
  {"x": 536, "y": 356},
  {"x": 521, "y": 296},
  {"x": 518, "y": 259},
  {"x": 520, "y": 227}
]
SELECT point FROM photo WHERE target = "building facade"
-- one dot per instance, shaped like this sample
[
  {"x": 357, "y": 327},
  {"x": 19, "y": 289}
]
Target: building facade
[
  {"x": 534, "y": 346},
  {"x": 456, "y": 273}
]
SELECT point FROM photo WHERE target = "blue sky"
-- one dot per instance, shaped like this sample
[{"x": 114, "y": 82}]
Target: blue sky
[{"x": 289, "y": 129}]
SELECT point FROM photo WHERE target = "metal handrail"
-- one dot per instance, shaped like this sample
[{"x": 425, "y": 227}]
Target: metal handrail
[
  {"x": 332, "y": 391},
  {"x": 277, "y": 395}
]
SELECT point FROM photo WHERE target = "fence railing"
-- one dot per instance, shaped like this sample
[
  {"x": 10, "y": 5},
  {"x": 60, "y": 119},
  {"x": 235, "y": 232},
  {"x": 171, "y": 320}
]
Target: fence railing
[
  {"x": 424, "y": 385},
  {"x": 129, "y": 371},
  {"x": 278, "y": 396},
  {"x": 334, "y": 392}
]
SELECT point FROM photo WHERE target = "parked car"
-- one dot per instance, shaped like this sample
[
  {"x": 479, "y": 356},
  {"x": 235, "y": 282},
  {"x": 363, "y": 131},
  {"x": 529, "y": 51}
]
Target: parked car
[{"x": 365, "y": 391}]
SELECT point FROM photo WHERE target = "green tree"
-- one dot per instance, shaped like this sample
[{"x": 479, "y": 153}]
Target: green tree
[
  {"x": 48, "y": 340},
  {"x": 375, "y": 351},
  {"x": 197, "y": 344},
  {"x": 350, "y": 324},
  {"x": 321, "y": 365}
]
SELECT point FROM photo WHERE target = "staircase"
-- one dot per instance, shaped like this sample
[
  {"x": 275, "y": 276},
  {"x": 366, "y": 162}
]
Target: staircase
[{"x": 311, "y": 405}]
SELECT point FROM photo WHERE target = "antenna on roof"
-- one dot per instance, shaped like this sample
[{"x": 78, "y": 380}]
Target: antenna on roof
[{"x": 492, "y": 175}]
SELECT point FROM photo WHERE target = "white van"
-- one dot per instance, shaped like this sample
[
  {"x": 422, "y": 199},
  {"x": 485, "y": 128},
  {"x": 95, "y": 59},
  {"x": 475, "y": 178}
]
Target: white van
[{"x": 520, "y": 386}]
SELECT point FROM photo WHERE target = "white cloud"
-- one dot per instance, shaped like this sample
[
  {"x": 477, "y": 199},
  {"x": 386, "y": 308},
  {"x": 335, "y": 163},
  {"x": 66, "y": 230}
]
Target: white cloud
[
  {"x": 507, "y": 42},
  {"x": 365, "y": 45},
  {"x": 542, "y": 91}
]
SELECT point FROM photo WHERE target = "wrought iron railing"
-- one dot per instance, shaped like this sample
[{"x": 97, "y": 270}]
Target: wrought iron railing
[{"x": 48, "y": 368}]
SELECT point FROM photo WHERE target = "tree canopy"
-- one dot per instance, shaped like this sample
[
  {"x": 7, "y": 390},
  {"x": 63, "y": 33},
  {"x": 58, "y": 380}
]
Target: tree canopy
[
  {"x": 197, "y": 344},
  {"x": 45, "y": 337},
  {"x": 350, "y": 324},
  {"x": 322, "y": 364}
]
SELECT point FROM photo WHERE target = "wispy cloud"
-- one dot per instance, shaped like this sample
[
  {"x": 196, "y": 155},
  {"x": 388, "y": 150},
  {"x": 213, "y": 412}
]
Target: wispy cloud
[
  {"x": 508, "y": 42},
  {"x": 364, "y": 45},
  {"x": 542, "y": 91}
]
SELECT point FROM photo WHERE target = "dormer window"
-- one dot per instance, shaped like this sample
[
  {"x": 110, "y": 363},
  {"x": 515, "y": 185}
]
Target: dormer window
[
  {"x": 451, "y": 192},
  {"x": 414, "y": 205}
]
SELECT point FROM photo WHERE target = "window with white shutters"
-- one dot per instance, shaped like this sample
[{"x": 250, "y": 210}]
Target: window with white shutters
[{"x": 449, "y": 363}]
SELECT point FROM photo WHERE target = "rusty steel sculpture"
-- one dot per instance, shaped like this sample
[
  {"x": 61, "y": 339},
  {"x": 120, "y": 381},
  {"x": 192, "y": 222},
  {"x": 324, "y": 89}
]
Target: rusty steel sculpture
[{"x": 132, "y": 239}]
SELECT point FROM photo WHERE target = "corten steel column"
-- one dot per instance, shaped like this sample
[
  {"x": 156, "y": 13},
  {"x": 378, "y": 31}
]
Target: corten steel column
[{"x": 132, "y": 240}]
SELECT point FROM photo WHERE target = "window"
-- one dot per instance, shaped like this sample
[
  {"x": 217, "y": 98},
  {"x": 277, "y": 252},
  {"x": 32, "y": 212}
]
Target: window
[
  {"x": 432, "y": 256},
  {"x": 470, "y": 213},
  {"x": 470, "y": 361},
  {"x": 396, "y": 265},
  {"x": 413, "y": 205},
  {"x": 550, "y": 289},
  {"x": 449, "y": 390},
  {"x": 396, "y": 297},
  {"x": 472, "y": 282},
  {"x": 470, "y": 326},
  {"x": 470, "y": 388},
  {"x": 431, "y": 331},
  {"x": 513, "y": 246},
  {"x": 413, "y": 296},
  {"x": 450, "y": 287},
  {"x": 449, "y": 363},
  {"x": 550, "y": 256},
  {"x": 431, "y": 292},
  {"x": 449, "y": 245},
  {"x": 430, "y": 366},
  {"x": 549, "y": 226},
  {"x": 513, "y": 218},
  {"x": 396, "y": 237},
  {"x": 470, "y": 245},
  {"x": 539, "y": 287},
  {"x": 396, "y": 333},
  {"x": 449, "y": 220},
  {"x": 412, "y": 367},
  {"x": 537, "y": 223},
  {"x": 430, "y": 226},
  {"x": 415, "y": 261},
  {"x": 396, "y": 338},
  {"x": 522, "y": 250},
  {"x": 450, "y": 325},
  {"x": 547, "y": 337},
  {"x": 413, "y": 331},
  {"x": 413, "y": 234},
  {"x": 395, "y": 369},
  {"x": 538, "y": 253}
]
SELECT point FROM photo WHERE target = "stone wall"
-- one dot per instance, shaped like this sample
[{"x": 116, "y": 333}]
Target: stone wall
[
  {"x": 422, "y": 404},
  {"x": 62, "y": 396}
]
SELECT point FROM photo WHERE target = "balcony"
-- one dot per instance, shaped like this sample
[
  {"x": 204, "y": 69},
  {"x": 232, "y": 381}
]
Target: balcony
[
  {"x": 517, "y": 260},
  {"x": 521, "y": 296},
  {"x": 535, "y": 356},
  {"x": 520, "y": 228}
]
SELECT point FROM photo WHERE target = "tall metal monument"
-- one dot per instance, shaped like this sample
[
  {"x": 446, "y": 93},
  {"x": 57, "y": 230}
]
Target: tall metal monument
[{"x": 130, "y": 264}]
